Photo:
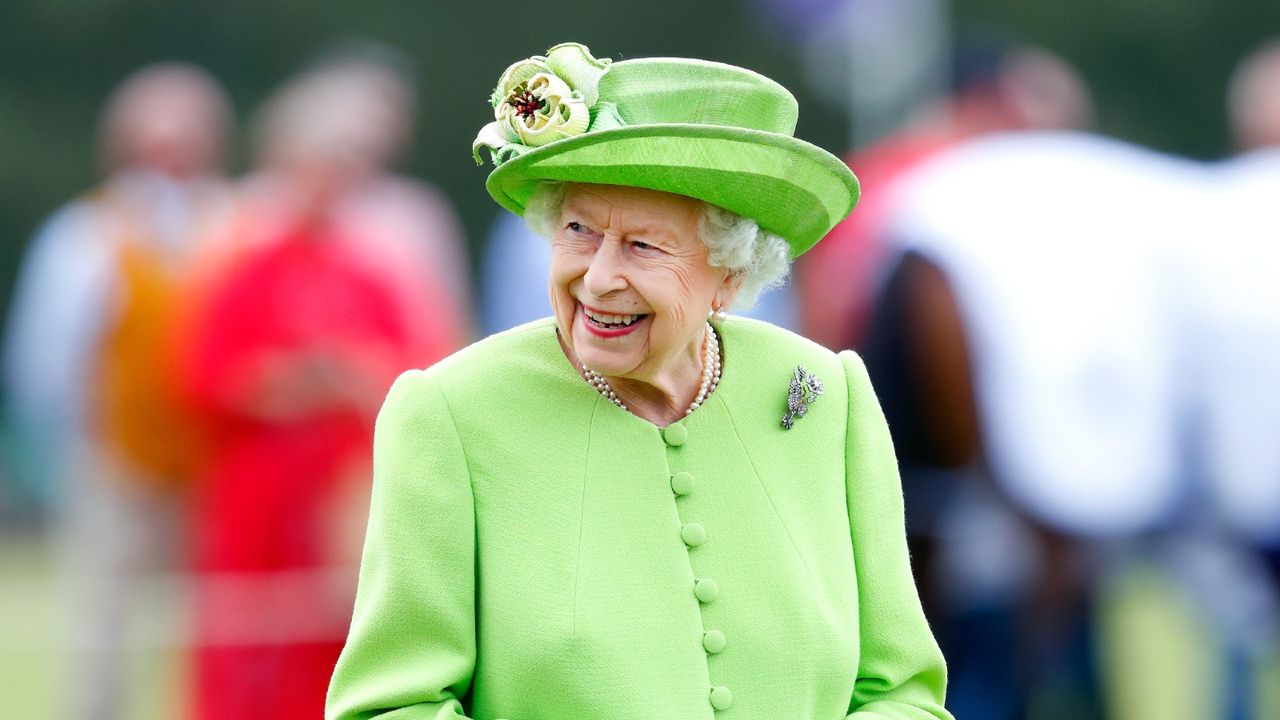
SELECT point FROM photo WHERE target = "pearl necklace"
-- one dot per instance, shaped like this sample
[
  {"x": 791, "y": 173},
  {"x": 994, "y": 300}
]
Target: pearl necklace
[{"x": 710, "y": 374}]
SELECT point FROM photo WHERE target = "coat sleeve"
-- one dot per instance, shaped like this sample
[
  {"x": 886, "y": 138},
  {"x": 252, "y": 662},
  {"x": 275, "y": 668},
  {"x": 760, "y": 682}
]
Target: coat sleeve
[
  {"x": 411, "y": 650},
  {"x": 901, "y": 674}
]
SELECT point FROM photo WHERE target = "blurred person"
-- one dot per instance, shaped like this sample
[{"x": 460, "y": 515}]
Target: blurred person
[
  {"x": 1115, "y": 445},
  {"x": 1230, "y": 313},
  {"x": 1236, "y": 315},
  {"x": 1229, "y": 319},
  {"x": 411, "y": 222},
  {"x": 1212, "y": 576},
  {"x": 850, "y": 292},
  {"x": 339, "y": 279},
  {"x": 89, "y": 365},
  {"x": 995, "y": 87},
  {"x": 1025, "y": 347},
  {"x": 512, "y": 293},
  {"x": 1253, "y": 100}
]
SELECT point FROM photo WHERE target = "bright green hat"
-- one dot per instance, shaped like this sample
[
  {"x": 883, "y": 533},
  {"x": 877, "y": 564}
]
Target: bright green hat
[{"x": 715, "y": 132}]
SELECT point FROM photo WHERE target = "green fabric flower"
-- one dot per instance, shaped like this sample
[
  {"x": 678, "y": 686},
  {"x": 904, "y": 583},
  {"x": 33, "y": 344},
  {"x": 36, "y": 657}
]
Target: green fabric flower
[{"x": 544, "y": 99}]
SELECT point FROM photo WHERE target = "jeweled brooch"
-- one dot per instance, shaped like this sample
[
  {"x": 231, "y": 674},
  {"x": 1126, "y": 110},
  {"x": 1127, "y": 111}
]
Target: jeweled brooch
[{"x": 805, "y": 390}]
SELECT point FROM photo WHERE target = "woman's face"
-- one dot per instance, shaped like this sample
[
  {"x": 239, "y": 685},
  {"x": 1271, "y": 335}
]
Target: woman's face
[{"x": 630, "y": 283}]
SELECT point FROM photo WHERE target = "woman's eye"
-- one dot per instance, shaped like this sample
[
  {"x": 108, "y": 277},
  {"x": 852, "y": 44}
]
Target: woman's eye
[
  {"x": 575, "y": 227},
  {"x": 642, "y": 246}
]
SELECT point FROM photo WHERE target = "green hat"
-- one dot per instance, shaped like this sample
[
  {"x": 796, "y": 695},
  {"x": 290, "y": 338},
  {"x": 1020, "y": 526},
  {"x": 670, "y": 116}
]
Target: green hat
[{"x": 706, "y": 130}]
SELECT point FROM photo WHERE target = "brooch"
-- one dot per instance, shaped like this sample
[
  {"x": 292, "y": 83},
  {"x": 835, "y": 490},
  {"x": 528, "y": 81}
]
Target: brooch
[{"x": 805, "y": 389}]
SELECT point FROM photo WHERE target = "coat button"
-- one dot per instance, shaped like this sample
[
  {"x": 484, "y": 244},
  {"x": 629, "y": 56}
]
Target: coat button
[
  {"x": 682, "y": 483},
  {"x": 721, "y": 698},
  {"x": 706, "y": 590},
  {"x": 713, "y": 641},
  {"x": 675, "y": 435},
  {"x": 693, "y": 534}
]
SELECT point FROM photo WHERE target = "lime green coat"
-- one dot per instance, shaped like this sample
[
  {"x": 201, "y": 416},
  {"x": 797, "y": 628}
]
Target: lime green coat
[{"x": 536, "y": 553}]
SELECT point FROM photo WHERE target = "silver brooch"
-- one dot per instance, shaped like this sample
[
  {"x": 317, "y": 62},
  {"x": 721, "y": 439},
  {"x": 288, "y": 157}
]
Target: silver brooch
[{"x": 805, "y": 389}]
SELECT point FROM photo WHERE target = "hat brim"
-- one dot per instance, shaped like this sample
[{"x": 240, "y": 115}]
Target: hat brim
[{"x": 788, "y": 186}]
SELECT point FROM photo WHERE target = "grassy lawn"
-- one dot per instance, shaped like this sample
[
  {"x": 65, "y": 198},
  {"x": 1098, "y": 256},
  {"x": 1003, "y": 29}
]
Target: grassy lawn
[{"x": 35, "y": 641}]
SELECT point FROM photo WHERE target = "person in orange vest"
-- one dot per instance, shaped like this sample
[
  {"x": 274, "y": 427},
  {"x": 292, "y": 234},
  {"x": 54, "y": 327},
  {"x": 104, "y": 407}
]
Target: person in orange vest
[{"x": 88, "y": 362}]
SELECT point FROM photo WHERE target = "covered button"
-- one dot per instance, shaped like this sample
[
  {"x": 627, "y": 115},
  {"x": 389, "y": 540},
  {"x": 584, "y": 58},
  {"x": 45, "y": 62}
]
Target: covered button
[
  {"x": 713, "y": 641},
  {"x": 693, "y": 534},
  {"x": 706, "y": 590},
  {"x": 675, "y": 435},
  {"x": 682, "y": 483},
  {"x": 721, "y": 698}
]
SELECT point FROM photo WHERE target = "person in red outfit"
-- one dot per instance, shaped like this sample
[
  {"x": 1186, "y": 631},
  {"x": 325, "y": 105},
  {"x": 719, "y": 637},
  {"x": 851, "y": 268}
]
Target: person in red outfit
[{"x": 297, "y": 336}]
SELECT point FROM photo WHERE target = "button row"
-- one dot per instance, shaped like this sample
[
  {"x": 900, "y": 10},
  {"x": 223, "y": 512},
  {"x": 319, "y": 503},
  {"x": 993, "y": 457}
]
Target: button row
[{"x": 705, "y": 589}]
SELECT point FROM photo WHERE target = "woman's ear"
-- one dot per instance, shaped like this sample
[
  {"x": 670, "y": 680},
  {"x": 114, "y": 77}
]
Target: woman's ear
[{"x": 727, "y": 292}]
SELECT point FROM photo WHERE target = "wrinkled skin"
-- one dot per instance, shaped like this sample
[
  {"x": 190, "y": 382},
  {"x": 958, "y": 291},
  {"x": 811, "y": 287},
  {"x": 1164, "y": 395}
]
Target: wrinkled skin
[{"x": 631, "y": 251}]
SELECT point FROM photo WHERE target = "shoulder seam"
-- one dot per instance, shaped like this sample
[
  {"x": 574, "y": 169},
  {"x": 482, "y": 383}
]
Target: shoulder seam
[{"x": 453, "y": 425}]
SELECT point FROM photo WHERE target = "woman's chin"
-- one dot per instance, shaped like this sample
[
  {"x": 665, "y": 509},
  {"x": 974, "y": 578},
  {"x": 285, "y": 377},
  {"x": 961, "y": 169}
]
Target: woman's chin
[
  {"x": 609, "y": 364},
  {"x": 607, "y": 357}
]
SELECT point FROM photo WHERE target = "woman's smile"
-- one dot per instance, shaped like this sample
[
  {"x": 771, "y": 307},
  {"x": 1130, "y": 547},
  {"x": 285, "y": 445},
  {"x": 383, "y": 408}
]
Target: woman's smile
[{"x": 609, "y": 325}]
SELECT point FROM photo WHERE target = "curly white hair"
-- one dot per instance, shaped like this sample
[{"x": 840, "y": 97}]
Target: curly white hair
[{"x": 760, "y": 258}]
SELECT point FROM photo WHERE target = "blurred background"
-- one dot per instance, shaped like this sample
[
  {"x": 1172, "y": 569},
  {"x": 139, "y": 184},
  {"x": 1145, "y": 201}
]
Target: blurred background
[{"x": 223, "y": 222}]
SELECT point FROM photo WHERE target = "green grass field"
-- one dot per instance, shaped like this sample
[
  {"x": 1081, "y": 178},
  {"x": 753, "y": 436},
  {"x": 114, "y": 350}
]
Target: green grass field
[{"x": 37, "y": 668}]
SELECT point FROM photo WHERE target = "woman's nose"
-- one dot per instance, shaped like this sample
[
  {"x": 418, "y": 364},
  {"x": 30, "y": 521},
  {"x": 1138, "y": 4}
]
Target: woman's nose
[{"x": 604, "y": 274}]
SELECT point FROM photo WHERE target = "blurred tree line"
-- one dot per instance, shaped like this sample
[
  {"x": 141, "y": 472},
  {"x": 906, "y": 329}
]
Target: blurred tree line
[{"x": 1158, "y": 69}]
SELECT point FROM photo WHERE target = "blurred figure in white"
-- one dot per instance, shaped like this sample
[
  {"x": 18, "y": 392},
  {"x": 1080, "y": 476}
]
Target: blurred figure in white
[
  {"x": 1236, "y": 313},
  {"x": 1026, "y": 353},
  {"x": 860, "y": 292},
  {"x": 1217, "y": 568},
  {"x": 1229, "y": 312},
  {"x": 88, "y": 368}
]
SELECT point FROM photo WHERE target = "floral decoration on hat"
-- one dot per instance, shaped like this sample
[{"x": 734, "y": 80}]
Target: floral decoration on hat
[
  {"x": 718, "y": 133},
  {"x": 544, "y": 99}
]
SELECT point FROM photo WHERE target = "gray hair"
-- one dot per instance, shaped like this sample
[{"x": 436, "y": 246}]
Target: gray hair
[{"x": 760, "y": 258}]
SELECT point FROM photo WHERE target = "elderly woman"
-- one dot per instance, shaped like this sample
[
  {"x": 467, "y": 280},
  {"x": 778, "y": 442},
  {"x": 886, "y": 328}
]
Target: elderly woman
[{"x": 639, "y": 508}]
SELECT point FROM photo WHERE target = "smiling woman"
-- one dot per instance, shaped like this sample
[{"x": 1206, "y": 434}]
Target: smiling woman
[
  {"x": 622, "y": 251},
  {"x": 638, "y": 508},
  {"x": 632, "y": 252}
]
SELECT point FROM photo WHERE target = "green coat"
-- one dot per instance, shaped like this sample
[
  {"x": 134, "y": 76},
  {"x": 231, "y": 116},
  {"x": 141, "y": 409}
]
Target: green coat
[{"x": 536, "y": 553}]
